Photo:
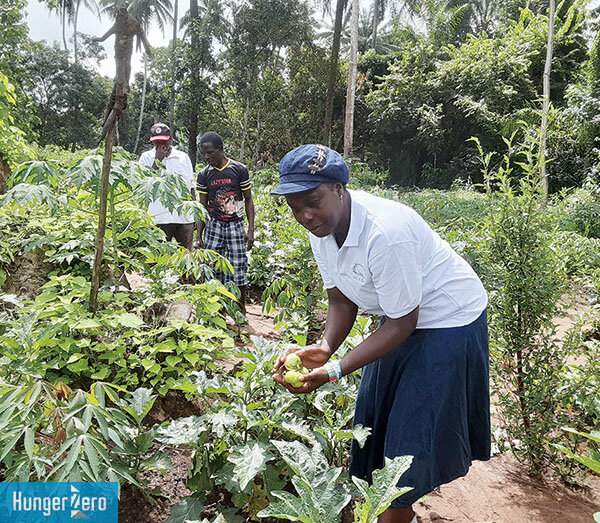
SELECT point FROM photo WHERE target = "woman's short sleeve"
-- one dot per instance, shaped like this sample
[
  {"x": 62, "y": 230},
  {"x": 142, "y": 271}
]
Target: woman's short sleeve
[
  {"x": 321, "y": 259},
  {"x": 397, "y": 277}
]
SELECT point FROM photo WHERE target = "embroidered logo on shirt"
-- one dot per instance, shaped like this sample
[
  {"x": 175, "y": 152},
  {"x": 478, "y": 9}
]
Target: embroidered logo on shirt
[
  {"x": 319, "y": 160},
  {"x": 359, "y": 273}
]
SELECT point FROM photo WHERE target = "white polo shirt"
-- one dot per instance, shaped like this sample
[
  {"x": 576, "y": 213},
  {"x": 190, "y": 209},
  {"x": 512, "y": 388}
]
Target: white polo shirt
[
  {"x": 177, "y": 162},
  {"x": 392, "y": 261}
]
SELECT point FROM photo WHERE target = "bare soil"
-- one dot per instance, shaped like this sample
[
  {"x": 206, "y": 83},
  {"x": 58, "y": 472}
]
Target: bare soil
[
  {"x": 27, "y": 274},
  {"x": 500, "y": 491}
]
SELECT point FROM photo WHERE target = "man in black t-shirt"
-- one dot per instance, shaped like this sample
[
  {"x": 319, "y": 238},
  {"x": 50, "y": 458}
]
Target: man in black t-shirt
[{"x": 225, "y": 190}]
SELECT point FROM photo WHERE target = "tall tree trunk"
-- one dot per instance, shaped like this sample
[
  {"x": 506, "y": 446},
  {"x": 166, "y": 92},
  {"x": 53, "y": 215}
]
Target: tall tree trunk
[
  {"x": 375, "y": 23},
  {"x": 333, "y": 65},
  {"x": 101, "y": 232},
  {"x": 352, "y": 69},
  {"x": 244, "y": 129},
  {"x": 75, "y": 20},
  {"x": 63, "y": 19},
  {"x": 142, "y": 104},
  {"x": 546, "y": 103},
  {"x": 173, "y": 46},
  {"x": 124, "y": 29},
  {"x": 193, "y": 123}
]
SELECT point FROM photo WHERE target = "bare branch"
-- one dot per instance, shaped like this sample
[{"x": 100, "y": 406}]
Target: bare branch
[{"x": 108, "y": 33}]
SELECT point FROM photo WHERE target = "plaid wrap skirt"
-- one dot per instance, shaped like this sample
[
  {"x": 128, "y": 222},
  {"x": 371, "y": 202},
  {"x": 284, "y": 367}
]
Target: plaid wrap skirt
[{"x": 229, "y": 240}]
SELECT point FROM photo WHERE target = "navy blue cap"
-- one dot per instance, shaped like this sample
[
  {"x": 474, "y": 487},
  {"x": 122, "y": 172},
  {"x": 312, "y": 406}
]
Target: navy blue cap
[{"x": 308, "y": 166}]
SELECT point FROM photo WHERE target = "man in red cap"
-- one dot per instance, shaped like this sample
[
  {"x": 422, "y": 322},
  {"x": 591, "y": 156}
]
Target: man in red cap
[{"x": 175, "y": 225}]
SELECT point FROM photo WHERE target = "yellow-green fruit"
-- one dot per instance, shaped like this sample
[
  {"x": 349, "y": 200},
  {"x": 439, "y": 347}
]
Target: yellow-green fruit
[
  {"x": 293, "y": 378},
  {"x": 293, "y": 362},
  {"x": 304, "y": 370}
]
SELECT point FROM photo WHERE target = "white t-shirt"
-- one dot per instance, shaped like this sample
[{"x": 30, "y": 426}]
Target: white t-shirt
[
  {"x": 177, "y": 162},
  {"x": 392, "y": 261}
]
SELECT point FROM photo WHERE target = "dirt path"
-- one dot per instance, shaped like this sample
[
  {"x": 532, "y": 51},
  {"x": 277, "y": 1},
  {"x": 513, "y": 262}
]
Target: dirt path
[{"x": 499, "y": 491}]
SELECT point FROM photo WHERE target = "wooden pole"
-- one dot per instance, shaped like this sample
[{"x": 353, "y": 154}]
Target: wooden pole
[
  {"x": 108, "y": 147},
  {"x": 352, "y": 70},
  {"x": 546, "y": 104}
]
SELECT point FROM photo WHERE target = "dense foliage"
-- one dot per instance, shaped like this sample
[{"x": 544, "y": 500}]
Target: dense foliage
[{"x": 465, "y": 69}]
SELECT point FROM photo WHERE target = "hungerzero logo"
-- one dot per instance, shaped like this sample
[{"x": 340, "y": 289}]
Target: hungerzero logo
[{"x": 78, "y": 505}]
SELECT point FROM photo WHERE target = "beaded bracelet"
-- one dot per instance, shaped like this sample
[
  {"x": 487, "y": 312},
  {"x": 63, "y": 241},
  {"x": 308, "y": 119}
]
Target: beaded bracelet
[{"x": 334, "y": 370}]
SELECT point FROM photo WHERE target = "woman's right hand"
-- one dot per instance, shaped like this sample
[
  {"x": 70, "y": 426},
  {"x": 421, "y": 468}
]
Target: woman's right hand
[{"x": 312, "y": 356}]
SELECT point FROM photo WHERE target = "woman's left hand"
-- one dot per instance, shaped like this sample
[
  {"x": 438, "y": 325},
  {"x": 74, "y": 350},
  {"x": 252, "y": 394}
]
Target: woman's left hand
[{"x": 311, "y": 381}]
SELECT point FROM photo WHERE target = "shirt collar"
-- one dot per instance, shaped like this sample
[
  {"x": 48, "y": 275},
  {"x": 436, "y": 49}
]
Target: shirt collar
[
  {"x": 357, "y": 223},
  {"x": 357, "y": 220}
]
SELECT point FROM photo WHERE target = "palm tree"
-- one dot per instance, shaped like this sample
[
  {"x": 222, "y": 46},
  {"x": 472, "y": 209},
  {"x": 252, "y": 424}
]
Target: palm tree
[
  {"x": 203, "y": 22},
  {"x": 385, "y": 39},
  {"x": 90, "y": 4},
  {"x": 379, "y": 7},
  {"x": 65, "y": 10},
  {"x": 173, "y": 47},
  {"x": 131, "y": 18},
  {"x": 333, "y": 65}
]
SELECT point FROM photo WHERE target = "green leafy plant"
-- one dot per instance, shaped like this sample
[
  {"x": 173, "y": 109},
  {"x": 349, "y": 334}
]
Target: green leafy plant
[
  {"x": 51, "y": 433},
  {"x": 124, "y": 342},
  {"x": 525, "y": 279},
  {"x": 321, "y": 494},
  {"x": 592, "y": 461}
]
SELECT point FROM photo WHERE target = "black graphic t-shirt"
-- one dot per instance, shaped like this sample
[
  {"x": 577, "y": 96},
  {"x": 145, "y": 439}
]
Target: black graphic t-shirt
[{"x": 224, "y": 189}]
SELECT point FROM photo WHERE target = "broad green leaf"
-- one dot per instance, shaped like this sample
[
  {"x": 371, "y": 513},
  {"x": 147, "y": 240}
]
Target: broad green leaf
[
  {"x": 158, "y": 461},
  {"x": 249, "y": 460},
  {"x": 35, "y": 172},
  {"x": 325, "y": 497},
  {"x": 141, "y": 402},
  {"x": 27, "y": 194},
  {"x": 173, "y": 360},
  {"x": 358, "y": 432},
  {"x": 87, "y": 323},
  {"x": 209, "y": 386},
  {"x": 191, "y": 357},
  {"x": 182, "y": 431},
  {"x": 307, "y": 463},
  {"x": 189, "y": 509},
  {"x": 302, "y": 429},
  {"x": 383, "y": 490},
  {"x": 290, "y": 507},
  {"x": 101, "y": 373},
  {"x": 78, "y": 366},
  {"x": 130, "y": 320},
  {"x": 144, "y": 441},
  {"x": 222, "y": 421}
]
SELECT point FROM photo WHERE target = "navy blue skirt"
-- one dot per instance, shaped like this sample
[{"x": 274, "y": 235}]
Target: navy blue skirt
[{"x": 428, "y": 398}]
